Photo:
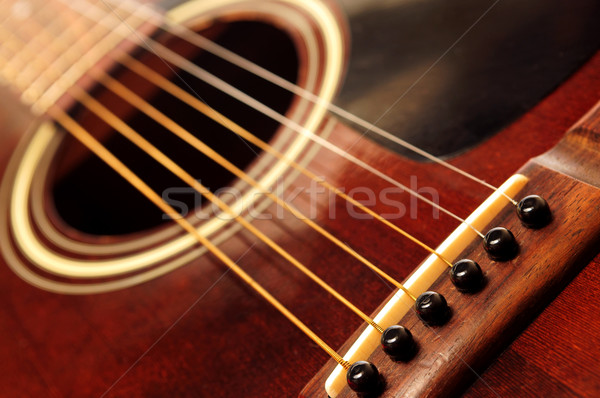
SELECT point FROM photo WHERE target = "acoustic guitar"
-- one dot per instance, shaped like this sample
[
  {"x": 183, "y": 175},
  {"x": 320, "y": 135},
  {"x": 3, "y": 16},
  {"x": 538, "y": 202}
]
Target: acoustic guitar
[{"x": 277, "y": 198}]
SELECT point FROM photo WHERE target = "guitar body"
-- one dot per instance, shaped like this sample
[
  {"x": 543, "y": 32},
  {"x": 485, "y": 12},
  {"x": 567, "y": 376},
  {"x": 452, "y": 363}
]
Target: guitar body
[{"x": 200, "y": 331}]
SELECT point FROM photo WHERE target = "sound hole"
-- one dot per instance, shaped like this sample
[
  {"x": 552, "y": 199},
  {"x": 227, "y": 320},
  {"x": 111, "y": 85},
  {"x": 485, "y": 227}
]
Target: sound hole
[{"x": 92, "y": 198}]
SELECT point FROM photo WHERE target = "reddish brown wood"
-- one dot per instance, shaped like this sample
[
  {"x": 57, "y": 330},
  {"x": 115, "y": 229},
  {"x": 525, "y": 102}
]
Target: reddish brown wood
[
  {"x": 557, "y": 354},
  {"x": 231, "y": 343},
  {"x": 482, "y": 324}
]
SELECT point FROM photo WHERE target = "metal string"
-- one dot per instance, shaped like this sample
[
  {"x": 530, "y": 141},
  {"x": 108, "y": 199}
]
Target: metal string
[
  {"x": 175, "y": 59},
  {"x": 241, "y": 175},
  {"x": 241, "y": 62},
  {"x": 145, "y": 107},
  {"x": 112, "y": 120}
]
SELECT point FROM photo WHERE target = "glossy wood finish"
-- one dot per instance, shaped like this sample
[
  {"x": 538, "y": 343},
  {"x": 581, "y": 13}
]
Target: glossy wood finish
[
  {"x": 552, "y": 370},
  {"x": 451, "y": 356},
  {"x": 546, "y": 364},
  {"x": 393, "y": 43},
  {"x": 200, "y": 332},
  {"x": 557, "y": 355}
]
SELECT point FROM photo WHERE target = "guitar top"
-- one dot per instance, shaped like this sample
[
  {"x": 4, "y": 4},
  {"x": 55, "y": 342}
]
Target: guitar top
[{"x": 105, "y": 294}]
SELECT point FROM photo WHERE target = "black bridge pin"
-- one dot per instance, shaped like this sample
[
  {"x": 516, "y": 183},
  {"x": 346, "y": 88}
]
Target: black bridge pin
[
  {"x": 466, "y": 275},
  {"x": 398, "y": 343},
  {"x": 534, "y": 212},
  {"x": 364, "y": 378},
  {"x": 500, "y": 244},
  {"x": 432, "y": 309}
]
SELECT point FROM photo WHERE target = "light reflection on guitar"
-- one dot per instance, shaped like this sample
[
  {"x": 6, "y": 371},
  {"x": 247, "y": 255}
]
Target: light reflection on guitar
[{"x": 228, "y": 341}]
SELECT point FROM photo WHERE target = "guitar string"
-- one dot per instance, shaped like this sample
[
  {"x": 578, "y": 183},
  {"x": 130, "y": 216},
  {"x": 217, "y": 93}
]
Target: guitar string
[
  {"x": 69, "y": 123},
  {"x": 446, "y": 261},
  {"x": 240, "y": 174},
  {"x": 142, "y": 105},
  {"x": 336, "y": 241},
  {"x": 175, "y": 59},
  {"x": 85, "y": 138},
  {"x": 120, "y": 126},
  {"x": 227, "y": 123},
  {"x": 79, "y": 133},
  {"x": 325, "y": 348},
  {"x": 145, "y": 107},
  {"x": 82, "y": 96},
  {"x": 186, "y": 136},
  {"x": 83, "y": 93},
  {"x": 299, "y": 324},
  {"x": 214, "y": 48},
  {"x": 190, "y": 177},
  {"x": 167, "y": 55},
  {"x": 155, "y": 78}
]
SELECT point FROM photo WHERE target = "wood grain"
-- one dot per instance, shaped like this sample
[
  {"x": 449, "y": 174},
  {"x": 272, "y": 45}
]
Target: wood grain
[
  {"x": 201, "y": 332},
  {"x": 451, "y": 357},
  {"x": 483, "y": 323},
  {"x": 557, "y": 354}
]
